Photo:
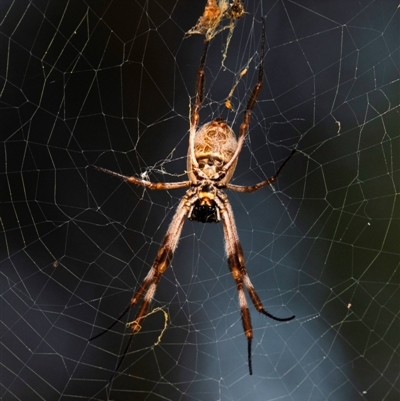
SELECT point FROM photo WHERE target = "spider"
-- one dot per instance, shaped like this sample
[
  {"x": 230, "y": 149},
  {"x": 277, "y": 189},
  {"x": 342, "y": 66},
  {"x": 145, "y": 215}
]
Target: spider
[{"x": 211, "y": 161}]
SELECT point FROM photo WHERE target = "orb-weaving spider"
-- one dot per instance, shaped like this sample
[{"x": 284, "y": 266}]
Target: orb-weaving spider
[{"x": 211, "y": 161}]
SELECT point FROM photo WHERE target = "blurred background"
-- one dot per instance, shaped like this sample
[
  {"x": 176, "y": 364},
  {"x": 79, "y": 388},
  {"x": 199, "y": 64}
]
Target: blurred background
[{"x": 109, "y": 83}]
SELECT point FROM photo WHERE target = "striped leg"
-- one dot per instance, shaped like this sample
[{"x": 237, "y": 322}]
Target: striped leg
[
  {"x": 162, "y": 261},
  {"x": 238, "y": 269},
  {"x": 234, "y": 266},
  {"x": 149, "y": 284}
]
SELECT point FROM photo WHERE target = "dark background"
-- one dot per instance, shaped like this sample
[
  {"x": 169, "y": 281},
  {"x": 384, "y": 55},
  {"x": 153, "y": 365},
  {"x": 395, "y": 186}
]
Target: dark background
[{"x": 109, "y": 83}]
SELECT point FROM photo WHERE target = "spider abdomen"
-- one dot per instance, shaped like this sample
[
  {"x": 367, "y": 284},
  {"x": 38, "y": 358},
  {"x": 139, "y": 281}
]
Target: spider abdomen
[
  {"x": 214, "y": 146},
  {"x": 215, "y": 138}
]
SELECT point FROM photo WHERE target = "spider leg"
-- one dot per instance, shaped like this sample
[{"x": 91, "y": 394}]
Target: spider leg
[
  {"x": 195, "y": 114},
  {"x": 238, "y": 269},
  {"x": 269, "y": 181},
  {"x": 144, "y": 183},
  {"x": 234, "y": 266},
  {"x": 249, "y": 108},
  {"x": 118, "y": 319},
  {"x": 148, "y": 287},
  {"x": 237, "y": 248}
]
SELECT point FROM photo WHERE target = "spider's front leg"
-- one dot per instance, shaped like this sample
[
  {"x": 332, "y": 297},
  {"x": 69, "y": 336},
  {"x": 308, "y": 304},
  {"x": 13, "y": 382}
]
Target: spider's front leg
[
  {"x": 162, "y": 260},
  {"x": 164, "y": 256},
  {"x": 237, "y": 267}
]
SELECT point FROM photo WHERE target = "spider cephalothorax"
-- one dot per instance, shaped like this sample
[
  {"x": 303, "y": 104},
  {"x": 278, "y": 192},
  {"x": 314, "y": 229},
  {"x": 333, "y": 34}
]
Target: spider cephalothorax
[
  {"x": 212, "y": 157},
  {"x": 205, "y": 209}
]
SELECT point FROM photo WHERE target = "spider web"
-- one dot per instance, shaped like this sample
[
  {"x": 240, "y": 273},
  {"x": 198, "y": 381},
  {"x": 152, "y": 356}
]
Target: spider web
[{"x": 109, "y": 83}]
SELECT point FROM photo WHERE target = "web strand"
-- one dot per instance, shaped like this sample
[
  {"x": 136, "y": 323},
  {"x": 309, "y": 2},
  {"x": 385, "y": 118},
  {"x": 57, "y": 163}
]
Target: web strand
[{"x": 111, "y": 84}]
